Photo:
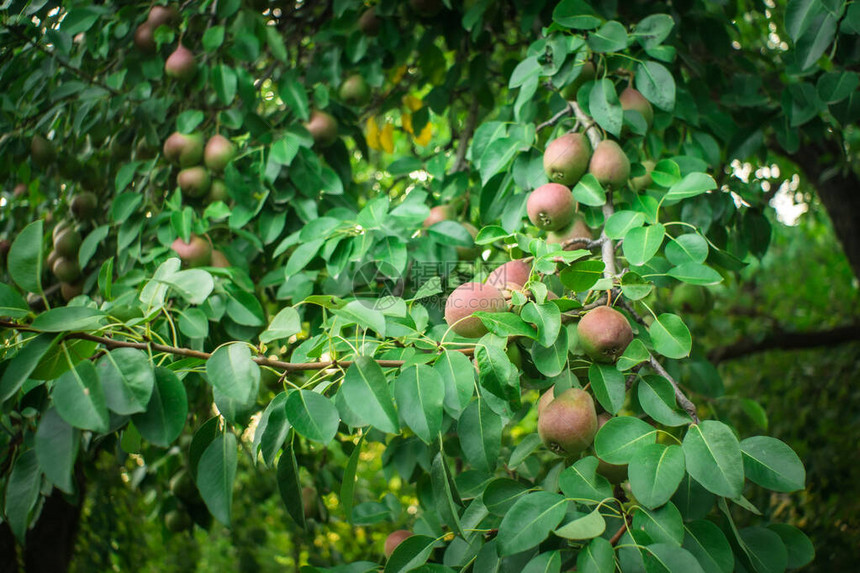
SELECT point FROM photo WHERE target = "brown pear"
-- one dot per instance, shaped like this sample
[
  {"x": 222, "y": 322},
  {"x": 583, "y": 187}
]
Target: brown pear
[
  {"x": 643, "y": 181},
  {"x": 184, "y": 150},
  {"x": 467, "y": 299},
  {"x": 437, "y": 214},
  {"x": 196, "y": 253},
  {"x": 632, "y": 99},
  {"x": 604, "y": 334},
  {"x": 217, "y": 192},
  {"x": 180, "y": 65},
  {"x": 565, "y": 159},
  {"x": 322, "y": 127},
  {"x": 567, "y": 424},
  {"x": 610, "y": 165},
  {"x": 67, "y": 242},
  {"x": 354, "y": 90},
  {"x": 144, "y": 38},
  {"x": 42, "y": 151},
  {"x": 394, "y": 539},
  {"x": 369, "y": 23},
  {"x": 66, "y": 269},
  {"x": 218, "y": 153},
  {"x": 83, "y": 205},
  {"x": 194, "y": 181},
  {"x": 551, "y": 207},
  {"x": 219, "y": 260},
  {"x": 71, "y": 290},
  {"x": 159, "y": 15},
  {"x": 512, "y": 275}
]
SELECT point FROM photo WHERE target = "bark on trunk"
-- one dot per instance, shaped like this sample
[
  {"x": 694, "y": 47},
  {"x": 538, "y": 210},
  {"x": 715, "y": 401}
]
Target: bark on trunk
[
  {"x": 8, "y": 550},
  {"x": 51, "y": 543},
  {"x": 839, "y": 192}
]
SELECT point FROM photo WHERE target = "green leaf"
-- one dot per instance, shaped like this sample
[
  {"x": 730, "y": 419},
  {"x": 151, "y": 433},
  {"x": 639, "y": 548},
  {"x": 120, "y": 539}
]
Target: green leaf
[
  {"x": 765, "y": 549},
  {"x": 670, "y": 558},
  {"x": 420, "y": 392},
  {"x": 290, "y": 486},
  {"x": 549, "y": 562},
  {"x": 505, "y": 324},
  {"x": 363, "y": 314},
  {"x": 619, "y": 223},
  {"x": 655, "y": 472},
  {"x": 501, "y": 493},
  {"x": 596, "y": 557},
  {"x": 642, "y": 243},
  {"x": 233, "y": 373},
  {"x": 19, "y": 369},
  {"x": 491, "y": 234},
  {"x": 69, "y": 318},
  {"x": 165, "y": 414},
  {"x": 670, "y": 336},
  {"x": 527, "y": 69},
  {"x": 709, "y": 546},
  {"x": 799, "y": 15},
  {"x": 80, "y": 20},
  {"x": 581, "y": 276},
  {"x": 79, "y": 399},
  {"x": 694, "y": 273},
  {"x": 458, "y": 378},
  {"x": 412, "y": 553},
  {"x": 213, "y": 38},
  {"x": 605, "y": 107},
  {"x": 22, "y": 491},
  {"x": 524, "y": 449},
  {"x": 194, "y": 285},
  {"x": 589, "y": 191},
  {"x": 127, "y": 379},
  {"x": 480, "y": 433},
  {"x": 714, "y": 458},
  {"x": 611, "y": 37},
  {"x": 204, "y": 435},
  {"x": 621, "y": 437},
  {"x": 91, "y": 243},
  {"x": 272, "y": 429},
  {"x": 608, "y": 386},
  {"x": 657, "y": 398},
  {"x": 575, "y": 14},
  {"x": 496, "y": 373},
  {"x": 634, "y": 354},
  {"x": 347, "y": 488},
  {"x": 368, "y": 395},
  {"x": 529, "y": 521},
  {"x": 800, "y": 549},
  {"x": 496, "y": 157},
  {"x": 546, "y": 317},
  {"x": 56, "y": 448},
  {"x": 551, "y": 360},
  {"x": 12, "y": 304},
  {"x": 446, "y": 506},
  {"x": 24, "y": 260},
  {"x": 634, "y": 287},
  {"x": 663, "y": 525},
  {"x": 586, "y": 527},
  {"x": 772, "y": 464},
  {"x": 834, "y": 87},
  {"x": 815, "y": 40},
  {"x": 691, "y": 185},
  {"x": 293, "y": 93},
  {"x": 583, "y": 484},
  {"x": 226, "y": 82},
  {"x": 653, "y": 29},
  {"x": 312, "y": 415},
  {"x": 656, "y": 84},
  {"x": 216, "y": 472},
  {"x": 687, "y": 248}
]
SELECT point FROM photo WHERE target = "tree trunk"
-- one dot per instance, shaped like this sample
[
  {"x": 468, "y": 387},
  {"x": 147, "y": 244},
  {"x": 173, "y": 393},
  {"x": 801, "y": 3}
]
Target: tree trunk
[
  {"x": 839, "y": 191},
  {"x": 51, "y": 543},
  {"x": 8, "y": 550}
]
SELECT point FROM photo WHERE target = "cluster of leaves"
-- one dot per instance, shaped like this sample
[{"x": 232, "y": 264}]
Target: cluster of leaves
[{"x": 323, "y": 336}]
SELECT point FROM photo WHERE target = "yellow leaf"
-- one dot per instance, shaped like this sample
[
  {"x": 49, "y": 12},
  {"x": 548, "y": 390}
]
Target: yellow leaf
[
  {"x": 406, "y": 121},
  {"x": 398, "y": 75},
  {"x": 386, "y": 138},
  {"x": 426, "y": 135},
  {"x": 372, "y": 134},
  {"x": 412, "y": 102}
]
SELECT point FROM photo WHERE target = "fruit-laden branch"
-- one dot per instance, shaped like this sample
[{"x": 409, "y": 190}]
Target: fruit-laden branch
[{"x": 786, "y": 341}]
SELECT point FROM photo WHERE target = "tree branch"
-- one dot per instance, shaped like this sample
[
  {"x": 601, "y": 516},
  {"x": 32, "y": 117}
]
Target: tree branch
[
  {"x": 786, "y": 341},
  {"x": 682, "y": 399},
  {"x": 465, "y": 136},
  {"x": 568, "y": 110}
]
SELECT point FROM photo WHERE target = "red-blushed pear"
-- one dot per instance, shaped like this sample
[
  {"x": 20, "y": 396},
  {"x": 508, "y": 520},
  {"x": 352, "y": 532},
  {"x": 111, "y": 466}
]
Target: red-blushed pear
[
  {"x": 42, "y": 151},
  {"x": 194, "y": 181},
  {"x": 66, "y": 269},
  {"x": 604, "y": 334},
  {"x": 615, "y": 473},
  {"x": 512, "y": 275},
  {"x": 195, "y": 253},
  {"x": 369, "y": 23},
  {"x": 180, "y": 65},
  {"x": 631, "y": 99},
  {"x": 565, "y": 159},
  {"x": 322, "y": 127},
  {"x": 609, "y": 164},
  {"x": 354, "y": 90},
  {"x": 467, "y": 299},
  {"x": 219, "y": 260},
  {"x": 394, "y": 539},
  {"x": 551, "y": 207},
  {"x": 218, "y": 153},
  {"x": 578, "y": 229},
  {"x": 545, "y": 399},
  {"x": 567, "y": 424},
  {"x": 184, "y": 150},
  {"x": 144, "y": 38},
  {"x": 159, "y": 15},
  {"x": 437, "y": 214},
  {"x": 83, "y": 205}
]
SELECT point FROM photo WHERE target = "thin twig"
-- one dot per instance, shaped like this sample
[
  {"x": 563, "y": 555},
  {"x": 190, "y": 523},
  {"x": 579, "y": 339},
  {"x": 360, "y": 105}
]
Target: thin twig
[
  {"x": 465, "y": 136},
  {"x": 568, "y": 110},
  {"x": 683, "y": 401}
]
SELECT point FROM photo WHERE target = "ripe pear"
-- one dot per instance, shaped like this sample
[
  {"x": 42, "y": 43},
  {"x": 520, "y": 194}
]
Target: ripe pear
[
  {"x": 218, "y": 153},
  {"x": 642, "y": 182},
  {"x": 322, "y": 127},
  {"x": 184, "y": 150},
  {"x": 632, "y": 99},
  {"x": 565, "y": 159},
  {"x": 219, "y": 260},
  {"x": 394, "y": 539},
  {"x": 194, "y": 181},
  {"x": 144, "y": 38},
  {"x": 42, "y": 151},
  {"x": 604, "y": 334},
  {"x": 159, "y": 15},
  {"x": 369, "y": 23},
  {"x": 437, "y": 214},
  {"x": 467, "y": 299},
  {"x": 545, "y": 399},
  {"x": 354, "y": 90},
  {"x": 196, "y": 253},
  {"x": 512, "y": 275},
  {"x": 71, "y": 290},
  {"x": 609, "y": 164},
  {"x": 551, "y": 207},
  {"x": 66, "y": 269},
  {"x": 180, "y": 65},
  {"x": 567, "y": 425},
  {"x": 67, "y": 242}
]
